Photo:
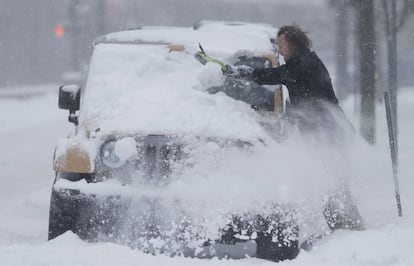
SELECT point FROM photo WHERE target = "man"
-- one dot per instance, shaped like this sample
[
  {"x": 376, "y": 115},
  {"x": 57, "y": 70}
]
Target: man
[
  {"x": 313, "y": 104},
  {"x": 304, "y": 74},
  {"x": 313, "y": 109}
]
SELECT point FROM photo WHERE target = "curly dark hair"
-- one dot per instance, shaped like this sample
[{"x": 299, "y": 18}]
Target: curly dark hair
[{"x": 297, "y": 39}]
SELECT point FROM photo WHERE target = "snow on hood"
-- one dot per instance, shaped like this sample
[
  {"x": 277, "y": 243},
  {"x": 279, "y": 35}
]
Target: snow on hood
[{"x": 147, "y": 89}]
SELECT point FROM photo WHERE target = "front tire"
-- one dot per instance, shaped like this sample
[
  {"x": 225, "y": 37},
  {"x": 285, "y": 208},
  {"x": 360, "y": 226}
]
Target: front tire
[
  {"x": 63, "y": 215},
  {"x": 282, "y": 249}
]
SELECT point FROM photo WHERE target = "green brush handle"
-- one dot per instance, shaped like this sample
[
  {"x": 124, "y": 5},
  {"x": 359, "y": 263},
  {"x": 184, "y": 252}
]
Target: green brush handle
[{"x": 207, "y": 58}]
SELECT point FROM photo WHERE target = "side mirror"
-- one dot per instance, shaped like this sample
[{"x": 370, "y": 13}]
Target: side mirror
[{"x": 69, "y": 99}]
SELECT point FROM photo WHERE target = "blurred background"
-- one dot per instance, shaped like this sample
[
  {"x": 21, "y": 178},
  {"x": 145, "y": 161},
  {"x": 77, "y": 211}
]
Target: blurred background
[{"x": 42, "y": 40}]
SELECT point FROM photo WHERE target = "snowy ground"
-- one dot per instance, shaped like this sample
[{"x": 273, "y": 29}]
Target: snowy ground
[{"x": 30, "y": 127}]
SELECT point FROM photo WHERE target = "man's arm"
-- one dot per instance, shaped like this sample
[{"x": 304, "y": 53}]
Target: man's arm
[{"x": 269, "y": 76}]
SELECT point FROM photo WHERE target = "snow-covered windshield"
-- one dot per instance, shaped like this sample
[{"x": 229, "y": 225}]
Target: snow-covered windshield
[{"x": 148, "y": 89}]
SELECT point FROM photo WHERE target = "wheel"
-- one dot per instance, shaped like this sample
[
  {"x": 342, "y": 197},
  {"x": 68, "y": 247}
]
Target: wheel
[
  {"x": 277, "y": 241},
  {"x": 85, "y": 215},
  {"x": 277, "y": 235},
  {"x": 62, "y": 215}
]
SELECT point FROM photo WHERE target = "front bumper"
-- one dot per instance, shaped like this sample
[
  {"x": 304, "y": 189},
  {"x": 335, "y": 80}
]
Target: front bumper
[{"x": 145, "y": 224}]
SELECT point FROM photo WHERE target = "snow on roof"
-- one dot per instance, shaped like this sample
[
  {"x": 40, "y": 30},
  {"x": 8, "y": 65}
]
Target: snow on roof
[
  {"x": 226, "y": 37},
  {"x": 136, "y": 85}
]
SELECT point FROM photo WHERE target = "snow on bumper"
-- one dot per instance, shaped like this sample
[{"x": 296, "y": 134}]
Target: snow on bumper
[{"x": 143, "y": 219}]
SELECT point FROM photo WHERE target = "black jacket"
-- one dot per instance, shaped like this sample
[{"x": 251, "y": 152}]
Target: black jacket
[{"x": 305, "y": 77}]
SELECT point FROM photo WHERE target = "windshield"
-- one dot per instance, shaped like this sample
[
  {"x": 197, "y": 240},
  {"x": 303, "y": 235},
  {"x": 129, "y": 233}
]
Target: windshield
[
  {"x": 145, "y": 88},
  {"x": 254, "y": 62}
]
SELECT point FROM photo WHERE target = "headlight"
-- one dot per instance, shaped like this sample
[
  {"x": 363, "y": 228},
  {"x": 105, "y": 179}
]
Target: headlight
[{"x": 116, "y": 153}]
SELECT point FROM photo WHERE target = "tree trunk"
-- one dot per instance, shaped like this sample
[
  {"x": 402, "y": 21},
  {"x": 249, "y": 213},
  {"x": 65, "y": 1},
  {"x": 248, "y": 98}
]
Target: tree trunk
[
  {"x": 75, "y": 34},
  {"x": 392, "y": 60},
  {"x": 343, "y": 85},
  {"x": 367, "y": 46}
]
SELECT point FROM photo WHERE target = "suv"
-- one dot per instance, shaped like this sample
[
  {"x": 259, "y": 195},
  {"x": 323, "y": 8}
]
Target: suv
[{"x": 146, "y": 127}]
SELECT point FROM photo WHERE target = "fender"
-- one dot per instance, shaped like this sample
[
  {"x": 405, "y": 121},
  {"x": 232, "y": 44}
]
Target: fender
[{"x": 73, "y": 159}]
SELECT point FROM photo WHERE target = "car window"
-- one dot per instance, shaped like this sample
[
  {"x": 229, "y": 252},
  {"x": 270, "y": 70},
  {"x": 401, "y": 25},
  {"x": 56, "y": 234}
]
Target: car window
[{"x": 254, "y": 62}]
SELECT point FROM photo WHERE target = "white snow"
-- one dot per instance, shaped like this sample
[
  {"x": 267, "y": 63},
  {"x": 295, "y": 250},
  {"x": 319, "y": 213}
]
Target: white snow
[
  {"x": 72, "y": 89},
  {"x": 126, "y": 148},
  {"x": 156, "y": 93},
  {"x": 145, "y": 88},
  {"x": 27, "y": 176},
  {"x": 296, "y": 172}
]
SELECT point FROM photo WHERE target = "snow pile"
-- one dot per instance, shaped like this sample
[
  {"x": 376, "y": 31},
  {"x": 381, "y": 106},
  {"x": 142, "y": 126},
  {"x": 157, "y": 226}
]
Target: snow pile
[
  {"x": 216, "y": 38},
  {"x": 140, "y": 86},
  {"x": 125, "y": 148},
  {"x": 147, "y": 89}
]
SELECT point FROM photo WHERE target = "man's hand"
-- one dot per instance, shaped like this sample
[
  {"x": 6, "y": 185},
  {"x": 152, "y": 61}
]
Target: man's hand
[
  {"x": 239, "y": 72},
  {"x": 227, "y": 69}
]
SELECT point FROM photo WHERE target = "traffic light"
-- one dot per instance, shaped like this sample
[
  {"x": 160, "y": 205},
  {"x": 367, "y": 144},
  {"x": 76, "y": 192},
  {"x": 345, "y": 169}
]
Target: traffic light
[{"x": 59, "y": 31}]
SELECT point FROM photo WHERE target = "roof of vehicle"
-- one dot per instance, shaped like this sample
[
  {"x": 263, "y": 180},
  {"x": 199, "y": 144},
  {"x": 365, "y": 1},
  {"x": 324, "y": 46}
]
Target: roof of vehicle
[
  {"x": 214, "y": 36},
  {"x": 239, "y": 27}
]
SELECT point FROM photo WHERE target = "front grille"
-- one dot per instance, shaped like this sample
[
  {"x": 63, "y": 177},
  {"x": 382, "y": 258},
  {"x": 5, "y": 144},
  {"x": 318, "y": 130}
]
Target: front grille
[
  {"x": 156, "y": 157},
  {"x": 159, "y": 155}
]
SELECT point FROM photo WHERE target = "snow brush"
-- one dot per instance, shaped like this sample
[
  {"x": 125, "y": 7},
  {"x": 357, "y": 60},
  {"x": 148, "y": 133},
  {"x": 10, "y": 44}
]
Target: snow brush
[{"x": 203, "y": 58}]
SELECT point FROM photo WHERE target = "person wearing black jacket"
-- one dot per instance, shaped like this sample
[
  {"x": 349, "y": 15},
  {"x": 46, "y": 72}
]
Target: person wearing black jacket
[
  {"x": 313, "y": 108},
  {"x": 313, "y": 105},
  {"x": 304, "y": 74}
]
